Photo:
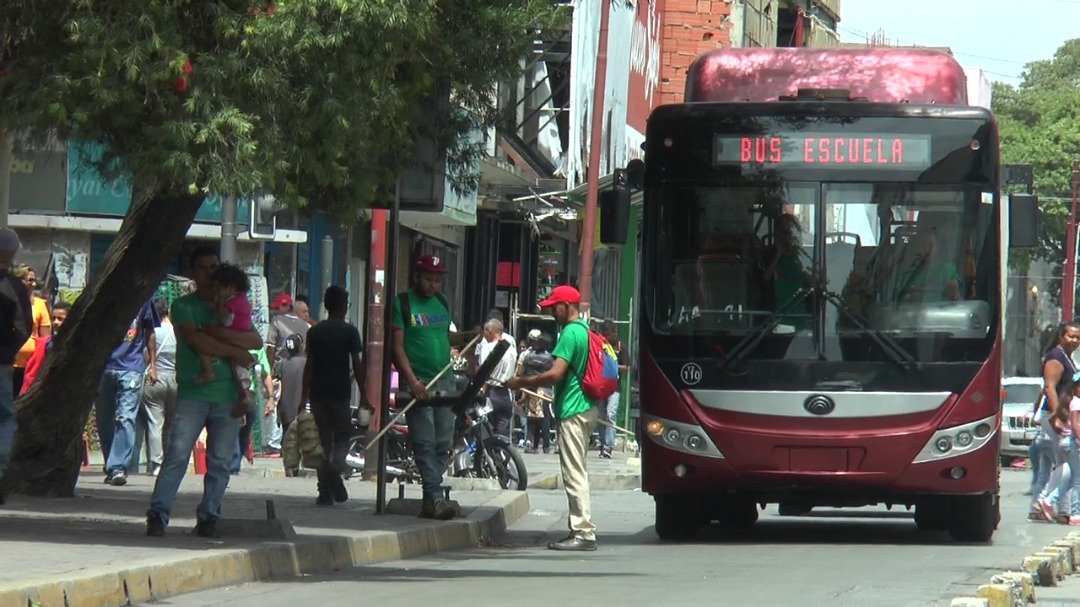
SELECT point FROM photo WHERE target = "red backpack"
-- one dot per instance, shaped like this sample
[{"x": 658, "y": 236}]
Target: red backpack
[{"x": 601, "y": 377}]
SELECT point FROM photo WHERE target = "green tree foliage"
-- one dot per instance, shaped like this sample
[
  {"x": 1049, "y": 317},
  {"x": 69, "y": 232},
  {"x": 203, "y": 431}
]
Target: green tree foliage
[
  {"x": 1040, "y": 125},
  {"x": 317, "y": 101}
]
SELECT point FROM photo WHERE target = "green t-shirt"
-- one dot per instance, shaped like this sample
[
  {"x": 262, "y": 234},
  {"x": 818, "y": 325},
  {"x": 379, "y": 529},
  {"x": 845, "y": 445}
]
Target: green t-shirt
[
  {"x": 427, "y": 335},
  {"x": 573, "y": 347},
  {"x": 192, "y": 310}
]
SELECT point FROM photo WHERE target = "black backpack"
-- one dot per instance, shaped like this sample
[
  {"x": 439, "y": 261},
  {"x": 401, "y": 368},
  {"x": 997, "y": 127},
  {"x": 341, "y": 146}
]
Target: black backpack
[{"x": 15, "y": 319}]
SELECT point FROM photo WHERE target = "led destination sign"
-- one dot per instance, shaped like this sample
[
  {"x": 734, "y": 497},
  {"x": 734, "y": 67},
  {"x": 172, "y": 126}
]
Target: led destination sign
[{"x": 824, "y": 151}]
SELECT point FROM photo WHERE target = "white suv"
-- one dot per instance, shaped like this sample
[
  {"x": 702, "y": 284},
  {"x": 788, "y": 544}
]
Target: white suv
[{"x": 1018, "y": 426}]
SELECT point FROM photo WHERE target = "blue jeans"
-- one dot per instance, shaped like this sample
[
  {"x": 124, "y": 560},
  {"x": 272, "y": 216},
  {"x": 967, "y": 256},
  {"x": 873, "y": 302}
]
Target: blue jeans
[
  {"x": 609, "y": 413},
  {"x": 431, "y": 430},
  {"x": 117, "y": 410},
  {"x": 243, "y": 438},
  {"x": 7, "y": 417},
  {"x": 221, "y": 430}
]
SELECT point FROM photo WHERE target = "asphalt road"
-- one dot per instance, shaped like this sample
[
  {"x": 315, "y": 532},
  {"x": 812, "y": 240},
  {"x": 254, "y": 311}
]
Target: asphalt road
[{"x": 831, "y": 557}]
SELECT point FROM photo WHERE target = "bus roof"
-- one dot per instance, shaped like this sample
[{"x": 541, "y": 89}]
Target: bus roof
[{"x": 883, "y": 75}]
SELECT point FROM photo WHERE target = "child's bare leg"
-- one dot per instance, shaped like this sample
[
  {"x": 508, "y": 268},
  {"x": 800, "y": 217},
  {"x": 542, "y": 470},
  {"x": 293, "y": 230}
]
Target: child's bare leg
[{"x": 207, "y": 369}]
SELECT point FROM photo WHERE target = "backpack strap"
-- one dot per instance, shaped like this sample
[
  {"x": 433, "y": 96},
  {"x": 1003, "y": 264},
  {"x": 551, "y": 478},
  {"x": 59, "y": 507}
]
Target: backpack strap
[{"x": 406, "y": 308}]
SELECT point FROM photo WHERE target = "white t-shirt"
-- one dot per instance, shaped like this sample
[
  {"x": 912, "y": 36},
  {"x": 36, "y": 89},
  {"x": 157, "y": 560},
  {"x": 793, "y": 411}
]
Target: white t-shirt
[{"x": 507, "y": 366}]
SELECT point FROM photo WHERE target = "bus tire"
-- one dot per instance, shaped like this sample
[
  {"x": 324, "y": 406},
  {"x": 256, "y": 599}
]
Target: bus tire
[
  {"x": 974, "y": 518},
  {"x": 738, "y": 512},
  {"x": 678, "y": 516},
  {"x": 934, "y": 514}
]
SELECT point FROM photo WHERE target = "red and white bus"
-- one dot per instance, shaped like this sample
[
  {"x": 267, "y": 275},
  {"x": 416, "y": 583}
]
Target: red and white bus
[{"x": 822, "y": 291}]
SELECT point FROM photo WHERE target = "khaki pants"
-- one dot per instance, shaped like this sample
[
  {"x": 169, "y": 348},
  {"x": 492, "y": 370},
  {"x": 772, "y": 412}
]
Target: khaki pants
[{"x": 574, "y": 436}]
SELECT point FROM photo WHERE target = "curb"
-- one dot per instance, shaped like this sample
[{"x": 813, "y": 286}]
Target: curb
[
  {"x": 269, "y": 560},
  {"x": 597, "y": 482},
  {"x": 1017, "y": 588}
]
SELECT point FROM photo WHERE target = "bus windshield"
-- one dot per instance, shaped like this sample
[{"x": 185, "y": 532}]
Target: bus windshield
[{"x": 789, "y": 262}]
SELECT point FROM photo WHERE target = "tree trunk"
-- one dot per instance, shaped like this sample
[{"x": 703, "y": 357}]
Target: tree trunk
[{"x": 52, "y": 415}]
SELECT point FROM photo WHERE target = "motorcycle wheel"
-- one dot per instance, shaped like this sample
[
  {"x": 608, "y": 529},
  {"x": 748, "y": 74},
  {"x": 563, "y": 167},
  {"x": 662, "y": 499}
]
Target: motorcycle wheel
[{"x": 509, "y": 468}]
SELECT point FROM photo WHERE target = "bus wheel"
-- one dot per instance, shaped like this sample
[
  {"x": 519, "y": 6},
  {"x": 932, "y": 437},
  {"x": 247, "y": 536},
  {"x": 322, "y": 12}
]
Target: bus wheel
[
  {"x": 974, "y": 517},
  {"x": 678, "y": 516},
  {"x": 738, "y": 512},
  {"x": 933, "y": 515}
]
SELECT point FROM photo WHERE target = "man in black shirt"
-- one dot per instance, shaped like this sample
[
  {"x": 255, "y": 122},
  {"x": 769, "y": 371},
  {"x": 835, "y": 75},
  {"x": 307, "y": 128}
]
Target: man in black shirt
[
  {"x": 15, "y": 324},
  {"x": 333, "y": 353}
]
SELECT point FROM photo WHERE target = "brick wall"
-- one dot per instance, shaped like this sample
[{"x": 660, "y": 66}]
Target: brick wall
[{"x": 691, "y": 27}]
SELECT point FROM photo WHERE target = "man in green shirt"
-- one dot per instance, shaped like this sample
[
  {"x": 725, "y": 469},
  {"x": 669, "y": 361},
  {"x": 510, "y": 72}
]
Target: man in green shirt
[
  {"x": 422, "y": 339},
  {"x": 201, "y": 404},
  {"x": 575, "y": 411}
]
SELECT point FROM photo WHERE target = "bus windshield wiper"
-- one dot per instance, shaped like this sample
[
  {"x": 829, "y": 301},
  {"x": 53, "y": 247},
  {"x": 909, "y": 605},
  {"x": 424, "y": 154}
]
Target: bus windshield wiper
[
  {"x": 747, "y": 344},
  {"x": 886, "y": 342}
]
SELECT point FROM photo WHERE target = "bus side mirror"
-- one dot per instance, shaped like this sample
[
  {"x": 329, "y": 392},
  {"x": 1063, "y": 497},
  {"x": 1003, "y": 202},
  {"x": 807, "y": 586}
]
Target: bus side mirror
[{"x": 1023, "y": 221}]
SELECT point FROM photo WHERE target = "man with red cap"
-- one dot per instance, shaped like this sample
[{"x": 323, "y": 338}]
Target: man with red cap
[
  {"x": 575, "y": 411},
  {"x": 422, "y": 339}
]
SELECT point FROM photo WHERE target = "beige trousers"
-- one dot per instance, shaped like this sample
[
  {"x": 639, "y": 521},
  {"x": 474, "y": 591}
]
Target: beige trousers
[{"x": 574, "y": 436}]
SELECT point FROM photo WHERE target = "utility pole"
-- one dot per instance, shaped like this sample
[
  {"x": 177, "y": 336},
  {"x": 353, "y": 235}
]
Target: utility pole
[
  {"x": 5, "y": 179},
  {"x": 592, "y": 173},
  {"x": 1068, "y": 279},
  {"x": 227, "y": 254}
]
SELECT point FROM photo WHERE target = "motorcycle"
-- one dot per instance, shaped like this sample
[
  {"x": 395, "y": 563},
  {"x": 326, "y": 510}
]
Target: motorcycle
[
  {"x": 477, "y": 452},
  {"x": 480, "y": 453}
]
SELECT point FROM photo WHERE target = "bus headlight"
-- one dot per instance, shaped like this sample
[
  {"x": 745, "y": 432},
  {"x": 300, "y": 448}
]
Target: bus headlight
[
  {"x": 680, "y": 436},
  {"x": 958, "y": 440}
]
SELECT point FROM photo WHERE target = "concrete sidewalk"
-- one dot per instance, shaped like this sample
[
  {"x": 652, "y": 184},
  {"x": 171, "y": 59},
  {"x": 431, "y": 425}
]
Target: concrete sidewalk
[{"x": 92, "y": 550}]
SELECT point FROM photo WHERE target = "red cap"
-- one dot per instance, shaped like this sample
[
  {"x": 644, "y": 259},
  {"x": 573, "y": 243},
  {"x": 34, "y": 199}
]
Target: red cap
[
  {"x": 283, "y": 299},
  {"x": 430, "y": 263},
  {"x": 562, "y": 294}
]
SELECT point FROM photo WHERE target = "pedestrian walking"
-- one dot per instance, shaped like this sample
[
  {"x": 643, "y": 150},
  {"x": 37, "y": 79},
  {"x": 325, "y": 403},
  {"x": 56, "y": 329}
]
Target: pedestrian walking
[
  {"x": 609, "y": 410},
  {"x": 1053, "y": 502},
  {"x": 41, "y": 329},
  {"x": 44, "y": 345},
  {"x": 201, "y": 405},
  {"x": 159, "y": 389},
  {"x": 120, "y": 394},
  {"x": 15, "y": 327},
  {"x": 290, "y": 375},
  {"x": 333, "y": 366},
  {"x": 576, "y": 412},
  {"x": 1057, "y": 366},
  {"x": 535, "y": 360},
  {"x": 502, "y": 401},
  {"x": 422, "y": 340}
]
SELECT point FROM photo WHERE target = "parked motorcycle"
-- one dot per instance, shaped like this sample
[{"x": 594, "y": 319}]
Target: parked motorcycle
[{"x": 480, "y": 453}]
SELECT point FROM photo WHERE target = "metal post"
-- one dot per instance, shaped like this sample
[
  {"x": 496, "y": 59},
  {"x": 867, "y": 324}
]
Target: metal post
[
  {"x": 1068, "y": 279},
  {"x": 389, "y": 293},
  {"x": 228, "y": 230},
  {"x": 592, "y": 174},
  {"x": 5, "y": 179},
  {"x": 327, "y": 277}
]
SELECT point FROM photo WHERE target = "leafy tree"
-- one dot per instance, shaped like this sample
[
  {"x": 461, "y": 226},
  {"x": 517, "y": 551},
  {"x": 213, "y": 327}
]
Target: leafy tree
[
  {"x": 1040, "y": 125},
  {"x": 316, "y": 101}
]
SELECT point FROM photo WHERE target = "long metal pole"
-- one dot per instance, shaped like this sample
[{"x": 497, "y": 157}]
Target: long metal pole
[
  {"x": 228, "y": 230},
  {"x": 1068, "y": 286},
  {"x": 5, "y": 179},
  {"x": 389, "y": 293},
  {"x": 592, "y": 174}
]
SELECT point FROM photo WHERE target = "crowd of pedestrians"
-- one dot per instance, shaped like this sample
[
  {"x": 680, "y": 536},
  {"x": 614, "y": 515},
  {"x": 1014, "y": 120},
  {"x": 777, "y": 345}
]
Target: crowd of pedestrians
[{"x": 197, "y": 371}]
